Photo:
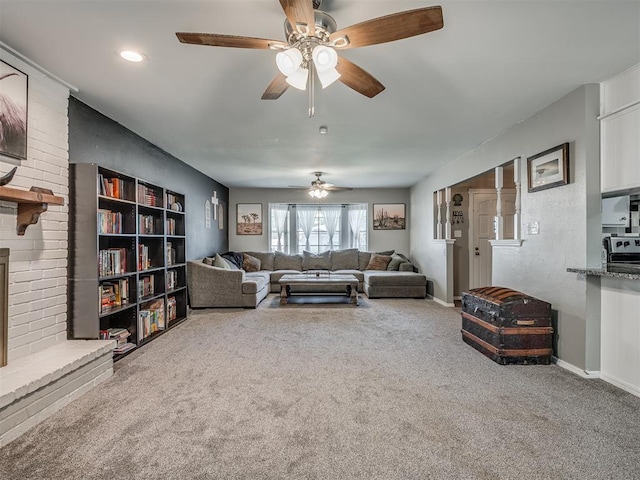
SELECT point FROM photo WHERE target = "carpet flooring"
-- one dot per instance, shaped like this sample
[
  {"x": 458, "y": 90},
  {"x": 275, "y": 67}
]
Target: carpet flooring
[{"x": 388, "y": 391}]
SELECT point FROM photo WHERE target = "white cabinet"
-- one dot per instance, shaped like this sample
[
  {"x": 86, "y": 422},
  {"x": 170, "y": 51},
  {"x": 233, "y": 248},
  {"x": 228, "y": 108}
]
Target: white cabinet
[
  {"x": 620, "y": 159},
  {"x": 615, "y": 211}
]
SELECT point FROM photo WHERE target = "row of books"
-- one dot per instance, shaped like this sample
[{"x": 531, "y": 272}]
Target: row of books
[
  {"x": 146, "y": 286},
  {"x": 113, "y": 187},
  {"x": 171, "y": 309},
  {"x": 144, "y": 262},
  {"x": 146, "y": 224},
  {"x": 171, "y": 226},
  {"x": 120, "y": 335},
  {"x": 151, "y": 319},
  {"x": 112, "y": 261},
  {"x": 171, "y": 254},
  {"x": 148, "y": 196},
  {"x": 113, "y": 294},
  {"x": 109, "y": 222},
  {"x": 174, "y": 202},
  {"x": 172, "y": 280}
]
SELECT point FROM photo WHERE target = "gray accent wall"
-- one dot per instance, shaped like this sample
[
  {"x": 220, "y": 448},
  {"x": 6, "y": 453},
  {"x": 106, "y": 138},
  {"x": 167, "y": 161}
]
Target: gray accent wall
[
  {"x": 379, "y": 240},
  {"x": 95, "y": 138},
  {"x": 568, "y": 216}
]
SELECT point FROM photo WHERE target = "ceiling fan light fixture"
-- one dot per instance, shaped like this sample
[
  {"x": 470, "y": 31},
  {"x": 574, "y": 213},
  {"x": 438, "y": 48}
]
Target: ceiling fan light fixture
[
  {"x": 289, "y": 61},
  {"x": 328, "y": 77},
  {"x": 324, "y": 58},
  {"x": 299, "y": 79},
  {"x": 316, "y": 192}
]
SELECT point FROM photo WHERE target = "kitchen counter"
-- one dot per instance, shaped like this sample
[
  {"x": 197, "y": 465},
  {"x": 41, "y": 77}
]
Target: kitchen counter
[{"x": 614, "y": 270}]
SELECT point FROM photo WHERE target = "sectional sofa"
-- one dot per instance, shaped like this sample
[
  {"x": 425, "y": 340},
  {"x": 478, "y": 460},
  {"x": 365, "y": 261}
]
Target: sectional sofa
[{"x": 244, "y": 279}]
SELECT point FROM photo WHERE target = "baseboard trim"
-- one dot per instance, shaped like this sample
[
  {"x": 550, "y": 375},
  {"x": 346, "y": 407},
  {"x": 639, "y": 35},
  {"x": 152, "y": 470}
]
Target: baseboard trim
[
  {"x": 621, "y": 384},
  {"x": 441, "y": 302},
  {"x": 573, "y": 369},
  {"x": 457, "y": 297}
]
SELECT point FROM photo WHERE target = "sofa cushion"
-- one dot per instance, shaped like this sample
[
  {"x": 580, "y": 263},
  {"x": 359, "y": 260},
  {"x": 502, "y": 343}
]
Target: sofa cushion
[
  {"x": 276, "y": 275},
  {"x": 208, "y": 260},
  {"x": 250, "y": 263},
  {"x": 395, "y": 262},
  {"x": 285, "y": 261},
  {"x": 363, "y": 260},
  {"x": 220, "y": 262},
  {"x": 255, "y": 281},
  {"x": 316, "y": 261},
  {"x": 344, "y": 259},
  {"x": 378, "y": 262},
  {"x": 356, "y": 273},
  {"x": 386, "y": 252},
  {"x": 400, "y": 279},
  {"x": 266, "y": 259}
]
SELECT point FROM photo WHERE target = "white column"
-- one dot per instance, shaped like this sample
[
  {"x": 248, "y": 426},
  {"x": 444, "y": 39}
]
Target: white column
[
  {"x": 447, "y": 222},
  {"x": 499, "y": 220},
  {"x": 439, "y": 207},
  {"x": 516, "y": 216}
]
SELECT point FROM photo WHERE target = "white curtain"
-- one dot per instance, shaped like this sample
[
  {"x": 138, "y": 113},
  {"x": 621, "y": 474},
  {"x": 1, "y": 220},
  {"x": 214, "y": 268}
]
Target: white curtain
[
  {"x": 357, "y": 219},
  {"x": 306, "y": 216},
  {"x": 280, "y": 211},
  {"x": 331, "y": 215}
]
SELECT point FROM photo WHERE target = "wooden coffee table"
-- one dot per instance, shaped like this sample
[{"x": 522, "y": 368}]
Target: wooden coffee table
[{"x": 349, "y": 282}]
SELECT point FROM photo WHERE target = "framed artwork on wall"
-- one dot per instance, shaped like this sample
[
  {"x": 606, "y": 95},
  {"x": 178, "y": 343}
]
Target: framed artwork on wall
[
  {"x": 389, "y": 216},
  {"x": 249, "y": 219},
  {"x": 13, "y": 112},
  {"x": 549, "y": 169}
]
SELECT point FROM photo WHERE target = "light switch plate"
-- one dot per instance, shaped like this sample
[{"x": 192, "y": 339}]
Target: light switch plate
[
  {"x": 533, "y": 228},
  {"x": 457, "y": 233}
]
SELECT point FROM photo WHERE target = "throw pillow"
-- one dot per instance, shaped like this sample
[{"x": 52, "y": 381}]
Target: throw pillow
[
  {"x": 207, "y": 261},
  {"x": 266, "y": 259},
  {"x": 285, "y": 261},
  {"x": 319, "y": 261},
  {"x": 250, "y": 263},
  {"x": 395, "y": 262},
  {"x": 378, "y": 262},
  {"x": 220, "y": 262},
  {"x": 233, "y": 258},
  {"x": 344, "y": 259}
]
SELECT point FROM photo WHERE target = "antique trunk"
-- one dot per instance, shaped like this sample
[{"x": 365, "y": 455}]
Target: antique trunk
[{"x": 507, "y": 326}]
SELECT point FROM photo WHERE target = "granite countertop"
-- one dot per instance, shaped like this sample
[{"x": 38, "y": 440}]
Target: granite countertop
[{"x": 616, "y": 270}]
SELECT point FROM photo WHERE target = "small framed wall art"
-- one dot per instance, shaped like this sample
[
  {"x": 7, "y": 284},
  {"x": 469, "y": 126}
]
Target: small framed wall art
[
  {"x": 13, "y": 112},
  {"x": 389, "y": 216},
  {"x": 249, "y": 219},
  {"x": 549, "y": 169}
]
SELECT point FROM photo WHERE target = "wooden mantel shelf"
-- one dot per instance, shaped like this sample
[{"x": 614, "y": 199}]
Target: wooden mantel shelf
[{"x": 31, "y": 203}]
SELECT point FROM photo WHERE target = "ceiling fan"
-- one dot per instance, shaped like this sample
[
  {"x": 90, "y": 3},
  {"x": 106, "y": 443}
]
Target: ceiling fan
[
  {"x": 312, "y": 39},
  {"x": 320, "y": 188}
]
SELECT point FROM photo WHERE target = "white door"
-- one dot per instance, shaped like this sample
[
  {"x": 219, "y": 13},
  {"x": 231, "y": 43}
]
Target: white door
[{"x": 483, "y": 206}]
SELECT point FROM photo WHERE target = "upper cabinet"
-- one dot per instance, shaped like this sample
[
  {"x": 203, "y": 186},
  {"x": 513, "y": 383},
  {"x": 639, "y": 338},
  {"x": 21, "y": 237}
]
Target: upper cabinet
[{"x": 620, "y": 132}]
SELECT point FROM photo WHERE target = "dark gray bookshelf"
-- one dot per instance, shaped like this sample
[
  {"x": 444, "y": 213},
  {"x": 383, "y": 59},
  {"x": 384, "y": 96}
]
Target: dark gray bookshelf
[{"x": 127, "y": 263}]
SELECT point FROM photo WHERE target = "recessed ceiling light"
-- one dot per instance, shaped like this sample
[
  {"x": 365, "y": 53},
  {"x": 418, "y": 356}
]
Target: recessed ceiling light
[
  {"x": 131, "y": 56},
  {"x": 323, "y": 130}
]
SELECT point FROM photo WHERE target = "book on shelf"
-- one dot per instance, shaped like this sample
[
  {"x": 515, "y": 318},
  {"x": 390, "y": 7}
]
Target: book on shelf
[
  {"x": 148, "y": 196},
  {"x": 112, "y": 187},
  {"x": 171, "y": 309},
  {"x": 112, "y": 261},
  {"x": 171, "y": 254},
  {"x": 109, "y": 222},
  {"x": 171, "y": 226},
  {"x": 146, "y": 286},
  {"x": 172, "y": 280},
  {"x": 174, "y": 202},
  {"x": 144, "y": 262},
  {"x": 151, "y": 319},
  {"x": 146, "y": 224},
  {"x": 113, "y": 294}
]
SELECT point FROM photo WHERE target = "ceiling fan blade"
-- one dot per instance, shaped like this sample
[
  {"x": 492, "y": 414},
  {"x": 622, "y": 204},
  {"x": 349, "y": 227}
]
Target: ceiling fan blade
[
  {"x": 276, "y": 88},
  {"x": 217, "y": 40},
  {"x": 389, "y": 28},
  {"x": 337, "y": 189},
  {"x": 300, "y": 11},
  {"x": 358, "y": 79}
]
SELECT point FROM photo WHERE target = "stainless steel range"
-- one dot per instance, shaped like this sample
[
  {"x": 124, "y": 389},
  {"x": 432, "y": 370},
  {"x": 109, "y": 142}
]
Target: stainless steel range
[{"x": 622, "y": 249}]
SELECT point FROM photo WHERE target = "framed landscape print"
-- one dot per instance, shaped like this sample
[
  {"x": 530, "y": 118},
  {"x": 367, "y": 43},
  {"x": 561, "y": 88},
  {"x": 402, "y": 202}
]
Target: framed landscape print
[
  {"x": 13, "y": 112},
  {"x": 249, "y": 219},
  {"x": 549, "y": 169},
  {"x": 389, "y": 216}
]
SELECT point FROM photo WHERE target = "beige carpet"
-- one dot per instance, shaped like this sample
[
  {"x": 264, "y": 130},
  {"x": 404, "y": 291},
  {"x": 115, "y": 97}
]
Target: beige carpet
[{"x": 388, "y": 391}]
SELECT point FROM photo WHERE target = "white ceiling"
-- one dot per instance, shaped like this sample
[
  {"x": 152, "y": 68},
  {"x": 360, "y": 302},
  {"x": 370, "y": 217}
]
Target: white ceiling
[{"x": 492, "y": 65}]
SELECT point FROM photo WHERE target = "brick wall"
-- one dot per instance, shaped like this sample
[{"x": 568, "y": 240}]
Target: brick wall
[{"x": 38, "y": 260}]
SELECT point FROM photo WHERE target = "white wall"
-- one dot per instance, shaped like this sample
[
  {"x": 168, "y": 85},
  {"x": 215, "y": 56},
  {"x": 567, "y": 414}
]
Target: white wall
[
  {"x": 378, "y": 240},
  {"x": 38, "y": 260},
  {"x": 569, "y": 218}
]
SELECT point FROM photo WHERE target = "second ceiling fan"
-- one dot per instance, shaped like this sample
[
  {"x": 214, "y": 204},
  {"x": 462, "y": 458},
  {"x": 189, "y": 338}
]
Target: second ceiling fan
[{"x": 312, "y": 42}]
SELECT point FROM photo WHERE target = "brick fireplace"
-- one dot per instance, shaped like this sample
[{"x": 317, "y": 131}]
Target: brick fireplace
[{"x": 4, "y": 304}]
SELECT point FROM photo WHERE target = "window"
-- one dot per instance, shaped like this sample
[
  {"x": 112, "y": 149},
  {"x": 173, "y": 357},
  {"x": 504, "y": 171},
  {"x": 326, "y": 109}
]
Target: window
[{"x": 317, "y": 228}]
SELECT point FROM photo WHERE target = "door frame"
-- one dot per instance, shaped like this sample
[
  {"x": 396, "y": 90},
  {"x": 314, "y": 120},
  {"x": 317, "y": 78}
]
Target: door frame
[{"x": 472, "y": 193}]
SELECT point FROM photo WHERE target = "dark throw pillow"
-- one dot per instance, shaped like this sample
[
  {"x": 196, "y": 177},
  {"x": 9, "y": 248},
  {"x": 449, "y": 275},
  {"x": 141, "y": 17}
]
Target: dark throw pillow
[
  {"x": 250, "y": 263},
  {"x": 378, "y": 262}
]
